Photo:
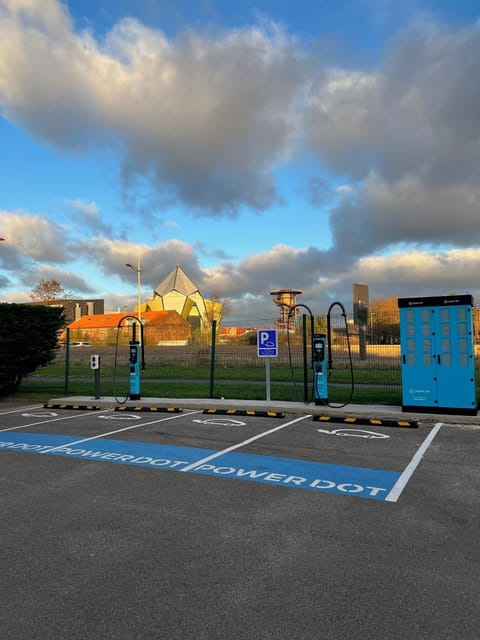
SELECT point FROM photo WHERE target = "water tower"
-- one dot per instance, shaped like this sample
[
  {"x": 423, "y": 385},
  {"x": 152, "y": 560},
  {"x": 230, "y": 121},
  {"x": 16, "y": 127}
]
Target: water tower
[{"x": 286, "y": 299}]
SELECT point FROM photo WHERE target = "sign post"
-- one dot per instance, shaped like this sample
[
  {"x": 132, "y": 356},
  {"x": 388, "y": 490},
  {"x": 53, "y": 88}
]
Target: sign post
[{"x": 267, "y": 347}]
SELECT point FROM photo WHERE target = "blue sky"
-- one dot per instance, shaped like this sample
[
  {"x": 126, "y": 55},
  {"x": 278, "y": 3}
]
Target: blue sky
[{"x": 304, "y": 144}]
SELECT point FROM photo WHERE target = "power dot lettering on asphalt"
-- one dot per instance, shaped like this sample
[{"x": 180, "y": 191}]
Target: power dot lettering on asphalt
[{"x": 374, "y": 484}]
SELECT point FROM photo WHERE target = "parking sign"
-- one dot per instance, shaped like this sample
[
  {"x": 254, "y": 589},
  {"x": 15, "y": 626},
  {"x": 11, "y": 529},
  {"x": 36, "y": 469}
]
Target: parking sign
[{"x": 267, "y": 343}]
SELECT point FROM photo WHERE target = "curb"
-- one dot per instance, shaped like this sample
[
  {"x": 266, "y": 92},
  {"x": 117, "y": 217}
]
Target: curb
[
  {"x": 406, "y": 424},
  {"x": 83, "y": 407},
  {"x": 245, "y": 412},
  {"x": 150, "y": 409}
]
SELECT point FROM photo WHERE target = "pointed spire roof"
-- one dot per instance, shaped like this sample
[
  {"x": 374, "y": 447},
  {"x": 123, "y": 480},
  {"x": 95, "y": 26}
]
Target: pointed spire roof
[{"x": 177, "y": 280}]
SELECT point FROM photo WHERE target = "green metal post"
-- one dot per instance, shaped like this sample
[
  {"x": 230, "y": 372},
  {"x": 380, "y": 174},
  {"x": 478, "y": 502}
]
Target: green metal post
[
  {"x": 212, "y": 357},
  {"x": 67, "y": 362},
  {"x": 305, "y": 356}
]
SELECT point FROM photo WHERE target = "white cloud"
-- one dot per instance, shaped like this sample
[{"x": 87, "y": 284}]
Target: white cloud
[
  {"x": 33, "y": 236},
  {"x": 90, "y": 216},
  {"x": 208, "y": 118}
]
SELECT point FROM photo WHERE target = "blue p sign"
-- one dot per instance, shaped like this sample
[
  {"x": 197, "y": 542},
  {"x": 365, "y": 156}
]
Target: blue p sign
[{"x": 267, "y": 343}]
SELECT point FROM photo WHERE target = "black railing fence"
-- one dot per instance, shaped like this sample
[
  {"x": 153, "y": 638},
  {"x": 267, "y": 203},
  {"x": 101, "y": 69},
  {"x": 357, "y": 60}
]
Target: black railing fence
[{"x": 223, "y": 361}]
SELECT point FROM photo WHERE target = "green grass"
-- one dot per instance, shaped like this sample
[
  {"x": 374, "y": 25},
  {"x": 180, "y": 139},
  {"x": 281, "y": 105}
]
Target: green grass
[
  {"x": 41, "y": 389},
  {"x": 383, "y": 376}
]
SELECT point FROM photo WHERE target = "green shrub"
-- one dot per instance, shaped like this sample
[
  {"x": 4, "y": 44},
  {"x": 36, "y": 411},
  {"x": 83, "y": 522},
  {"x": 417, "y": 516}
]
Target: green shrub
[{"x": 28, "y": 340}]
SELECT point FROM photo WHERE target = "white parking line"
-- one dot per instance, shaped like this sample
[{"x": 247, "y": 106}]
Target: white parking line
[
  {"x": 401, "y": 483},
  {"x": 111, "y": 433},
  {"x": 34, "y": 424},
  {"x": 241, "y": 444},
  {"x": 36, "y": 406}
]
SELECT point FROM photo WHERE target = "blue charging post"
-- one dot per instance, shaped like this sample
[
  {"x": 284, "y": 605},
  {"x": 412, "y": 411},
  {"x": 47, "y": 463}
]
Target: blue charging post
[
  {"x": 134, "y": 363},
  {"x": 320, "y": 383}
]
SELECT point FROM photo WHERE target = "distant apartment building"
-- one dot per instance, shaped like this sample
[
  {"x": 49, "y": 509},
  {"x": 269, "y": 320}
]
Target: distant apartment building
[{"x": 76, "y": 308}]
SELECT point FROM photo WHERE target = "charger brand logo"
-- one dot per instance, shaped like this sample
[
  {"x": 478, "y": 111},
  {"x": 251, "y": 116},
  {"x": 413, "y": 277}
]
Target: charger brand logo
[{"x": 373, "y": 484}]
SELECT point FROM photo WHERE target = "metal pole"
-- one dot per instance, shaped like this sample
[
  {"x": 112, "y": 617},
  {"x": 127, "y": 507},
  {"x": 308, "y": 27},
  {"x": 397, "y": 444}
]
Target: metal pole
[
  {"x": 67, "y": 361},
  {"x": 97, "y": 383},
  {"x": 212, "y": 357},
  {"x": 305, "y": 356},
  {"x": 139, "y": 289},
  {"x": 267, "y": 377}
]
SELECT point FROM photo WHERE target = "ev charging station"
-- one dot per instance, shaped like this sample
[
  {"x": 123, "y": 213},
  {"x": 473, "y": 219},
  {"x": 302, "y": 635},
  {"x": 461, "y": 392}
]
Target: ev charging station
[
  {"x": 95, "y": 367},
  {"x": 136, "y": 359},
  {"x": 134, "y": 370},
  {"x": 321, "y": 344},
  {"x": 437, "y": 354},
  {"x": 320, "y": 381}
]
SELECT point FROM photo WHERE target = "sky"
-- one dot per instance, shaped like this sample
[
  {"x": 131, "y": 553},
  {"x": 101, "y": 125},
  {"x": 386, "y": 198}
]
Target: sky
[{"x": 304, "y": 144}]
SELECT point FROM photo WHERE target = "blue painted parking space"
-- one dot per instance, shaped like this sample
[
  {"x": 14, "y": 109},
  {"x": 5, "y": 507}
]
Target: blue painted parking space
[
  {"x": 294, "y": 454},
  {"x": 282, "y": 472}
]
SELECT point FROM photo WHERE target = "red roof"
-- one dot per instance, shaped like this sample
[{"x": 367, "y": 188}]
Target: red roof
[{"x": 108, "y": 320}]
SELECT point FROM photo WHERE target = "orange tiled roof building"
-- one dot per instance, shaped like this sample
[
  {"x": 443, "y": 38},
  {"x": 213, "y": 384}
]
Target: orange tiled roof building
[
  {"x": 175, "y": 312},
  {"x": 161, "y": 328}
]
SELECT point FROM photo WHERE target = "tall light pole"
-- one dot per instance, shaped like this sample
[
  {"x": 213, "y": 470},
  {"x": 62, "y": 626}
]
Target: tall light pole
[{"x": 138, "y": 271}]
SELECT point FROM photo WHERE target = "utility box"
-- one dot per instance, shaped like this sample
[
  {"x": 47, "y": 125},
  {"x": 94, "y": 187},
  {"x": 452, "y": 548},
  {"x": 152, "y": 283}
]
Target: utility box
[{"x": 437, "y": 354}]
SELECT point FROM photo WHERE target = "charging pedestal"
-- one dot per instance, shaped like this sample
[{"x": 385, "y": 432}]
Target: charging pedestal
[
  {"x": 320, "y": 383},
  {"x": 437, "y": 354},
  {"x": 95, "y": 366},
  {"x": 134, "y": 365}
]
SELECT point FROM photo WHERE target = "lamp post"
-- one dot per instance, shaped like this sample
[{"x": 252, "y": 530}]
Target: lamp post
[{"x": 138, "y": 271}]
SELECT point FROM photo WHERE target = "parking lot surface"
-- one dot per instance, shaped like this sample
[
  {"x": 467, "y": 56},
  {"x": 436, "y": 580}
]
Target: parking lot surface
[{"x": 183, "y": 523}]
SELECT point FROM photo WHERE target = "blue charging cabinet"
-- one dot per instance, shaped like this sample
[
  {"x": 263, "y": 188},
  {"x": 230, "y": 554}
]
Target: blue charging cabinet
[{"x": 437, "y": 354}]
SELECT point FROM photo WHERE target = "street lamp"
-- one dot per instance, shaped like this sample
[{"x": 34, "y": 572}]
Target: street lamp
[{"x": 138, "y": 271}]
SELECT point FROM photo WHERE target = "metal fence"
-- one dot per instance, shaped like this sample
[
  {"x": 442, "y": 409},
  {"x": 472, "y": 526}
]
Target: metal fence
[{"x": 225, "y": 363}]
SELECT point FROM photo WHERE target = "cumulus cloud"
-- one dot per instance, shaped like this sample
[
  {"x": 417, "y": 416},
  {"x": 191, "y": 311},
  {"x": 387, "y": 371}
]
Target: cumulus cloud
[
  {"x": 33, "y": 237},
  {"x": 90, "y": 216},
  {"x": 385, "y": 213},
  {"x": 70, "y": 281},
  {"x": 156, "y": 261},
  {"x": 424, "y": 272},
  {"x": 409, "y": 134},
  {"x": 206, "y": 118}
]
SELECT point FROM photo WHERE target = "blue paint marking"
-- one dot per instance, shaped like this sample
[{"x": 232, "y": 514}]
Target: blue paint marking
[{"x": 374, "y": 484}]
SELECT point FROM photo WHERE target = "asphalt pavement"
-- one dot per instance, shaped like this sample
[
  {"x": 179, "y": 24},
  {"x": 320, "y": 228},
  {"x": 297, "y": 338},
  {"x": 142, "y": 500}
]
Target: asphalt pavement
[{"x": 208, "y": 519}]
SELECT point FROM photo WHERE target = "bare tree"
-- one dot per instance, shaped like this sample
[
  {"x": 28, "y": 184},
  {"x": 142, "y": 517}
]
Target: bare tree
[
  {"x": 47, "y": 291},
  {"x": 219, "y": 306}
]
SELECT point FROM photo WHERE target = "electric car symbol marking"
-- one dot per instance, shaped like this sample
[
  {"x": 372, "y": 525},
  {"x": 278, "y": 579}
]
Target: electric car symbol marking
[
  {"x": 356, "y": 433},
  {"x": 47, "y": 414},
  {"x": 123, "y": 416},
  {"x": 222, "y": 422}
]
